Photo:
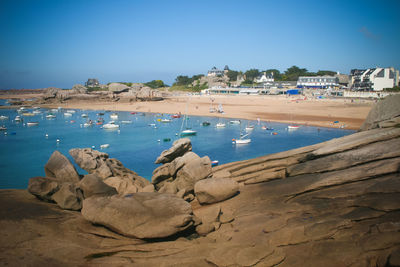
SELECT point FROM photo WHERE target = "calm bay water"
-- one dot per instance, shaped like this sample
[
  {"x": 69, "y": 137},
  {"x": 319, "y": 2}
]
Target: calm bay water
[{"x": 24, "y": 150}]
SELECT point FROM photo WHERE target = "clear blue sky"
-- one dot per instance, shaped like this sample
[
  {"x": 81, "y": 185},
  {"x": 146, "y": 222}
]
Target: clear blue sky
[{"x": 64, "y": 42}]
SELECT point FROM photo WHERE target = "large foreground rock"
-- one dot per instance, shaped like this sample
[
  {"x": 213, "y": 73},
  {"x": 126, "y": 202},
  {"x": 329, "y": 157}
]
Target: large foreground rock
[
  {"x": 178, "y": 149},
  {"x": 141, "y": 215},
  {"x": 214, "y": 190},
  {"x": 384, "y": 111},
  {"x": 59, "y": 167}
]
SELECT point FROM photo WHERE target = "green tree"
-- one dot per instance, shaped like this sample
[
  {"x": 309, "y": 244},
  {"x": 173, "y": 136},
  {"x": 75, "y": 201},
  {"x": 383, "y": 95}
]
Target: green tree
[
  {"x": 293, "y": 73},
  {"x": 232, "y": 75},
  {"x": 182, "y": 80},
  {"x": 326, "y": 72},
  {"x": 251, "y": 74},
  {"x": 155, "y": 84}
]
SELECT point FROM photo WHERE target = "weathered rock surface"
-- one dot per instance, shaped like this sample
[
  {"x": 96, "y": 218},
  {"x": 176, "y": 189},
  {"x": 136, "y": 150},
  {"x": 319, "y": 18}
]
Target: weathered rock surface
[
  {"x": 93, "y": 186},
  {"x": 69, "y": 197},
  {"x": 87, "y": 158},
  {"x": 99, "y": 163},
  {"x": 214, "y": 190},
  {"x": 385, "y": 110},
  {"x": 43, "y": 187},
  {"x": 117, "y": 87},
  {"x": 193, "y": 171},
  {"x": 142, "y": 215},
  {"x": 59, "y": 167},
  {"x": 178, "y": 149}
]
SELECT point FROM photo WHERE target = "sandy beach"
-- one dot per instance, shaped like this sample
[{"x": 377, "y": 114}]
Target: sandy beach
[{"x": 295, "y": 109}]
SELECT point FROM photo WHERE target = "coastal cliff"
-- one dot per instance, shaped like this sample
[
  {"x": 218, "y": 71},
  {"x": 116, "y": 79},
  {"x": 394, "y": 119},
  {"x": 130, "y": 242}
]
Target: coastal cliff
[{"x": 335, "y": 203}]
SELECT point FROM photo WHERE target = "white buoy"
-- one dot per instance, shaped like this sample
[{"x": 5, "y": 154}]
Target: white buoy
[
  {"x": 93, "y": 146},
  {"x": 46, "y": 135},
  {"x": 158, "y": 140},
  {"x": 58, "y": 140}
]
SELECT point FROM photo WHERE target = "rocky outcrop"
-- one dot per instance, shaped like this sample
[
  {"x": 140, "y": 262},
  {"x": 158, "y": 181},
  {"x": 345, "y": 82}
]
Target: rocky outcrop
[
  {"x": 181, "y": 170},
  {"x": 214, "y": 190},
  {"x": 91, "y": 185},
  {"x": 141, "y": 215},
  {"x": 43, "y": 187},
  {"x": 59, "y": 167},
  {"x": 178, "y": 149},
  {"x": 112, "y": 171},
  {"x": 79, "y": 89},
  {"x": 386, "y": 113},
  {"x": 117, "y": 87},
  {"x": 68, "y": 197},
  {"x": 106, "y": 177}
]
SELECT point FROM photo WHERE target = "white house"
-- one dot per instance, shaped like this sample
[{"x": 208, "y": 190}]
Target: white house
[
  {"x": 317, "y": 82},
  {"x": 374, "y": 79},
  {"x": 264, "y": 78}
]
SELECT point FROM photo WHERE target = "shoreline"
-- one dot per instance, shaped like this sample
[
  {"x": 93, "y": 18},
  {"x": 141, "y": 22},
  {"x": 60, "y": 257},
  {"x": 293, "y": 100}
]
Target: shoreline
[{"x": 290, "y": 110}]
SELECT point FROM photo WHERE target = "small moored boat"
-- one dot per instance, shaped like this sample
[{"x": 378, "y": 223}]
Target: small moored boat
[
  {"x": 220, "y": 125},
  {"x": 114, "y": 116},
  {"x": 50, "y": 116},
  {"x": 32, "y": 123},
  {"x": 293, "y": 127},
  {"x": 111, "y": 125},
  {"x": 188, "y": 132}
]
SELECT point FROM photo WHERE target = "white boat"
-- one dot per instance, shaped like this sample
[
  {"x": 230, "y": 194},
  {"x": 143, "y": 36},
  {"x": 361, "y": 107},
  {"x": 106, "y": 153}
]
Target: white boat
[
  {"x": 71, "y": 111},
  {"x": 84, "y": 115},
  {"x": 37, "y": 112},
  {"x": 111, "y": 125},
  {"x": 87, "y": 124},
  {"x": 54, "y": 110},
  {"x": 293, "y": 127},
  {"x": 67, "y": 114},
  {"x": 126, "y": 122},
  {"x": 235, "y": 122},
  {"x": 17, "y": 119},
  {"x": 2, "y": 117},
  {"x": 166, "y": 120},
  {"x": 50, "y": 116},
  {"x": 114, "y": 116},
  {"x": 3, "y": 128},
  {"x": 249, "y": 128},
  {"x": 220, "y": 125},
  {"x": 32, "y": 123},
  {"x": 242, "y": 140},
  {"x": 104, "y": 146},
  {"x": 188, "y": 132}
]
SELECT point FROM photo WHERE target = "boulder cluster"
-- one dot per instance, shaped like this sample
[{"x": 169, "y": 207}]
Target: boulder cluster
[
  {"x": 116, "y": 197},
  {"x": 187, "y": 175}
]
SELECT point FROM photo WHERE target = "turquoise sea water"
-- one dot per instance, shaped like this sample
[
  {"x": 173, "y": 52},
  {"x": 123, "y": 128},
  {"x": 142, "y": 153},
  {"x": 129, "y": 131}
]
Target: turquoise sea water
[{"x": 24, "y": 150}]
